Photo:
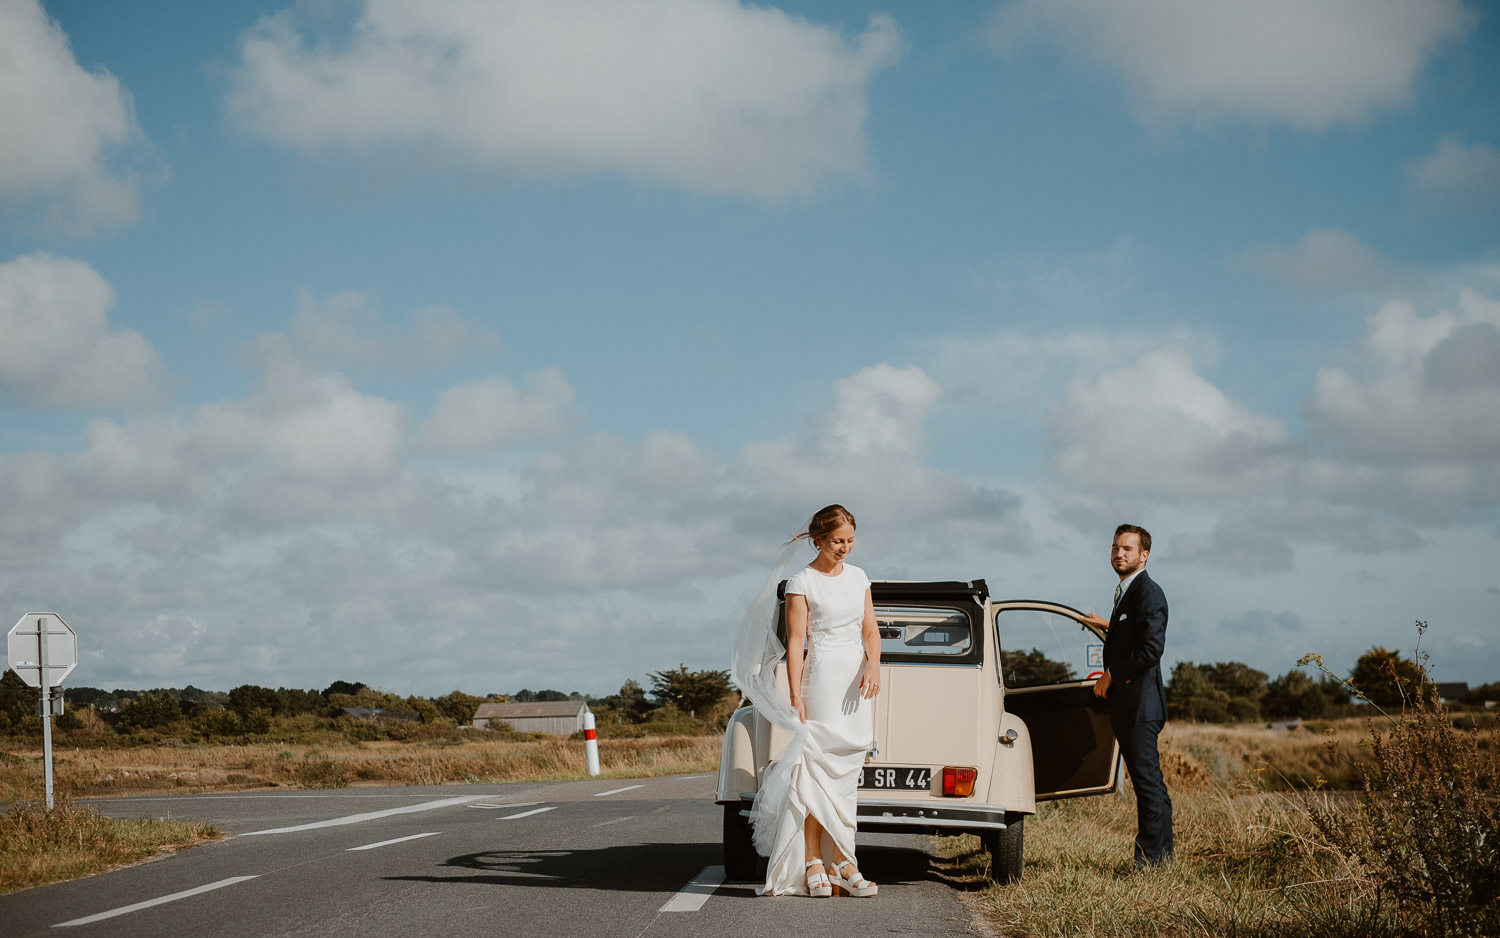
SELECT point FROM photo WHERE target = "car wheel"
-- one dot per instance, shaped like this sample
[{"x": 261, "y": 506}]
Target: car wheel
[
  {"x": 1006, "y": 848},
  {"x": 740, "y": 859}
]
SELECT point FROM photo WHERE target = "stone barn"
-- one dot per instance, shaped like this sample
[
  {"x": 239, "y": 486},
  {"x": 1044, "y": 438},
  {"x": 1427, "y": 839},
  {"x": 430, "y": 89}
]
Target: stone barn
[{"x": 557, "y": 717}]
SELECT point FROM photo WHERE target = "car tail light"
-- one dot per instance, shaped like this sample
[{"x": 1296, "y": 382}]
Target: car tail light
[{"x": 958, "y": 781}]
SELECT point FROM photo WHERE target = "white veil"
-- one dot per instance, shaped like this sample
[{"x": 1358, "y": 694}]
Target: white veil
[{"x": 757, "y": 652}]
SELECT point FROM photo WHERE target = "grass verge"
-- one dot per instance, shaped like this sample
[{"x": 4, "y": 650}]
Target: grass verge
[
  {"x": 1410, "y": 852},
  {"x": 39, "y": 847},
  {"x": 195, "y": 768},
  {"x": 1247, "y": 865}
]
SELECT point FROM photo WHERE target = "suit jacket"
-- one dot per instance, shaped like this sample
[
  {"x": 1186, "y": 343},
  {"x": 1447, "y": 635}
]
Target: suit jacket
[{"x": 1132, "y": 654}]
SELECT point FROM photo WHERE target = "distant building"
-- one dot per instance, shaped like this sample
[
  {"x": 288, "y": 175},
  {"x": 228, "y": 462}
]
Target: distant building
[
  {"x": 1450, "y": 691},
  {"x": 556, "y": 717},
  {"x": 1286, "y": 726},
  {"x": 366, "y": 713}
]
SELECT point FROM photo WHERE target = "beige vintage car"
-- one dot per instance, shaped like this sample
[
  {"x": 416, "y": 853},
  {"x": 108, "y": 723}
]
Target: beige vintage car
[{"x": 967, "y": 739}]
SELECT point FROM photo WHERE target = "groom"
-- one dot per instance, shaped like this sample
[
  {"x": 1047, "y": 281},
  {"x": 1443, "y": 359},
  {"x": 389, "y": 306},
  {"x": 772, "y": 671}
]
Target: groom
[{"x": 1131, "y": 685}]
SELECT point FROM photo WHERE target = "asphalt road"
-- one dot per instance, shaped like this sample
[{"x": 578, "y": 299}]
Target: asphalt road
[{"x": 617, "y": 857}]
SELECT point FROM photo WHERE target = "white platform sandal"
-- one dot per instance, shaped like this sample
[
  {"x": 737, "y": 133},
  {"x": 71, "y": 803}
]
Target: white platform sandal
[
  {"x": 817, "y": 883},
  {"x": 859, "y": 887}
]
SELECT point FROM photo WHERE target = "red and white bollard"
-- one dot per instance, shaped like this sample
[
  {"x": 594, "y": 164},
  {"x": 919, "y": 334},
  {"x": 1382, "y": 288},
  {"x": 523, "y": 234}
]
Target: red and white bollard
[{"x": 590, "y": 742}]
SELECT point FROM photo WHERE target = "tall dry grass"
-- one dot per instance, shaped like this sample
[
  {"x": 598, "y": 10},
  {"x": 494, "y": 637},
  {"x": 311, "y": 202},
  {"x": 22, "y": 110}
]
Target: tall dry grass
[
  {"x": 191, "y": 768},
  {"x": 39, "y": 846},
  {"x": 1253, "y": 859}
]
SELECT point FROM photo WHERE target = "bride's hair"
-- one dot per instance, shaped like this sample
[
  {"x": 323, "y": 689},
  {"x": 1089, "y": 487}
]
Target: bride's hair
[{"x": 825, "y": 522}]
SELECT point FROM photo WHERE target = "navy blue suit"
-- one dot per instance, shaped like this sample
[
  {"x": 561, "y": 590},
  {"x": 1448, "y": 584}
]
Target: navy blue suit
[{"x": 1138, "y": 708}]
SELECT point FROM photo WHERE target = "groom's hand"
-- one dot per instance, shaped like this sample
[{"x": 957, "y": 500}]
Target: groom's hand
[
  {"x": 1096, "y": 621},
  {"x": 1101, "y": 686}
]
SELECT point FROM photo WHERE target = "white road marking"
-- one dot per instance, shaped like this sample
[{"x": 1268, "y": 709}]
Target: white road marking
[
  {"x": 690, "y": 898},
  {"x": 387, "y": 843},
  {"x": 615, "y": 820},
  {"x": 683, "y": 778},
  {"x": 275, "y": 796},
  {"x": 514, "y": 804},
  {"x": 87, "y": 920},
  {"x": 616, "y": 791},
  {"x": 512, "y": 817},
  {"x": 367, "y": 816}
]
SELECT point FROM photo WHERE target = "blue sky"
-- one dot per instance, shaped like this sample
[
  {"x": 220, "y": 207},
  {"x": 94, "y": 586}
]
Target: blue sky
[{"x": 490, "y": 345}]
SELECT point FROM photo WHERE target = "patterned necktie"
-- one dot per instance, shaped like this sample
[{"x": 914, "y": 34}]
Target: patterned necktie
[{"x": 1118, "y": 590}]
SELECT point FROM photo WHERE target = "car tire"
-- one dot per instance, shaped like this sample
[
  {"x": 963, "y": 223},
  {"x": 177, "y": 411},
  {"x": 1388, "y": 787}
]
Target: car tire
[
  {"x": 1007, "y": 848},
  {"x": 741, "y": 862}
]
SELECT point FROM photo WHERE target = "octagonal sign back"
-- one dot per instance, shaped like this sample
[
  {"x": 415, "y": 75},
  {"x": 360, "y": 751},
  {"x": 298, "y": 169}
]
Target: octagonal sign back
[{"x": 24, "y": 649}]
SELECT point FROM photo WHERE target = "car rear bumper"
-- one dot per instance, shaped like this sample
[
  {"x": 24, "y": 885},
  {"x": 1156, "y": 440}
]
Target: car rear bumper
[{"x": 924, "y": 817}]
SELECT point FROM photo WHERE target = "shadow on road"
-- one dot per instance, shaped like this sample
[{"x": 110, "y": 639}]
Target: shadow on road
[{"x": 659, "y": 868}]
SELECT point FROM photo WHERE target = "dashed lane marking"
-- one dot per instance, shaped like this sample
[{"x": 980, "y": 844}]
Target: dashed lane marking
[
  {"x": 367, "y": 816},
  {"x": 512, "y": 817},
  {"x": 690, "y": 898},
  {"x": 514, "y": 804},
  {"x": 387, "y": 843},
  {"x": 616, "y": 791},
  {"x": 125, "y": 909}
]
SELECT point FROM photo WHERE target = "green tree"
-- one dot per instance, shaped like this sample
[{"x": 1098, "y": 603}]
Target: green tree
[
  {"x": 1385, "y": 677},
  {"x": 91, "y": 697},
  {"x": 459, "y": 706},
  {"x": 690, "y": 690},
  {"x": 343, "y": 687},
  {"x": 18, "y": 706},
  {"x": 1032, "y": 669},
  {"x": 1294, "y": 695},
  {"x": 248, "y": 697},
  {"x": 149, "y": 710},
  {"x": 1192, "y": 696}
]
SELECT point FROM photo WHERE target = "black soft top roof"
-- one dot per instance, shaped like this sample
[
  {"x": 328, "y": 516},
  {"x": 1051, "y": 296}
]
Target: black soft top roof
[{"x": 896, "y": 592}]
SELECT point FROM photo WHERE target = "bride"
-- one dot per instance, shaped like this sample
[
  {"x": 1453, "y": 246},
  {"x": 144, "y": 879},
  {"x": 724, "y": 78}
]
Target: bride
[{"x": 805, "y": 810}]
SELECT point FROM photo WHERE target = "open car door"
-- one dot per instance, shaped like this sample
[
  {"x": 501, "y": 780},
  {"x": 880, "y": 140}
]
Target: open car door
[{"x": 1049, "y": 663}]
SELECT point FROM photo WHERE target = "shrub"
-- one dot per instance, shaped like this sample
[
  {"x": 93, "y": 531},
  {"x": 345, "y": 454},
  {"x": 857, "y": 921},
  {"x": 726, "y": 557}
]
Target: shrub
[
  {"x": 1428, "y": 826},
  {"x": 322, "y": 773}
]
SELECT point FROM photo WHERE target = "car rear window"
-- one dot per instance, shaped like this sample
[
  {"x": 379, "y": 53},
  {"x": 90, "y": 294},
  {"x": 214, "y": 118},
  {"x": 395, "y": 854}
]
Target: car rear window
[{"x": 926, "y": 635}]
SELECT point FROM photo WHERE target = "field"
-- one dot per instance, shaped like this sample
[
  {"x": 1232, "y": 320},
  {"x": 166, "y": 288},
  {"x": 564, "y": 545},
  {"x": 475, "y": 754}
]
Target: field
[
  {"x": 1253, "y": 859},
  {"x": 334, "y": 763}
]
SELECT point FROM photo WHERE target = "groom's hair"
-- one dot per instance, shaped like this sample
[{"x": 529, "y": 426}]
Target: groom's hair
[{"x": 1138, "y": 531}]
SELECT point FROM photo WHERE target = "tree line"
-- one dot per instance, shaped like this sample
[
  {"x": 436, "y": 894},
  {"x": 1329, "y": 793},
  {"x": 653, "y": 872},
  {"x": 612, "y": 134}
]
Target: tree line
[
  {"x": 1234, "y": 692},
  {"x": 679, "y": 700}
]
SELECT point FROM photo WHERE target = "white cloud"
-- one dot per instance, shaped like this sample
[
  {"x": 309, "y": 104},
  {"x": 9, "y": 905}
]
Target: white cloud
[
  {"x": 1322, "y": 259},
  {"x": 313, "y": 428},
  {"x": 709, "y": 95},
  {"x": 58, "y": 349},
  {"x": 1309, "y": 64},
  {"x": 1455, "y": 173},
  {"x": 492, "y": 413},
  {"x": 63, "y": 131},
  {"x": 347, "y": 328},
  {"x": 1430, "y": 395},
  {"x": 1158, "y": 427},
  {"x": 1262, "y": 535}
]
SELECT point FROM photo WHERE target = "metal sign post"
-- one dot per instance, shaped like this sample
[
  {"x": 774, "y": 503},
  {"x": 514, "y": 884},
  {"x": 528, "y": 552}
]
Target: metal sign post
[
  {"x": 46, "y": 706},
  {"x": 43, "y": 650}
]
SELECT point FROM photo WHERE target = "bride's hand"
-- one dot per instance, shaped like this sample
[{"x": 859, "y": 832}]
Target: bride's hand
[
  {"x": 801, "y": 708},
  {"x": 869, "y": 685}
]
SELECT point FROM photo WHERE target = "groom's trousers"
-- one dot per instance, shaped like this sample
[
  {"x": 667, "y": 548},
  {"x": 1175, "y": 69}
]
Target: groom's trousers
[{"x": 1153, "y": 806}]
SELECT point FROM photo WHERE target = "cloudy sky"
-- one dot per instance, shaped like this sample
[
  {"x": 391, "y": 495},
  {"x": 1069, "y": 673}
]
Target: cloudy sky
[{"x": 498, "y": 344}]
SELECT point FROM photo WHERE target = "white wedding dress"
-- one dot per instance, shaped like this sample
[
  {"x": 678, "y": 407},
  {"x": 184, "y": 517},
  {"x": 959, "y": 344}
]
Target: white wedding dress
[{"x": 822, "y": 775}]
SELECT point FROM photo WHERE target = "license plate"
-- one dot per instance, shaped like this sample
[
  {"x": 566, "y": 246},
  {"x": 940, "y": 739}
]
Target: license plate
[{"x": 895, "y": 778}]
